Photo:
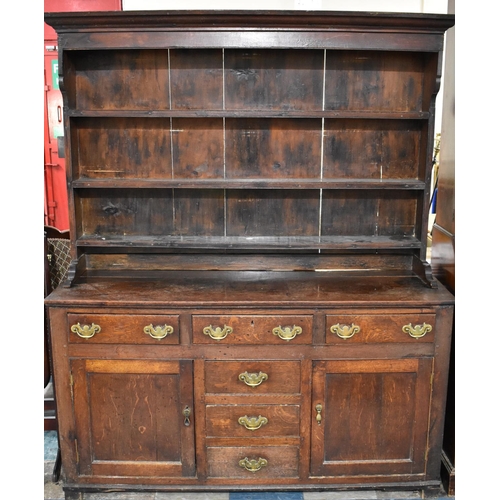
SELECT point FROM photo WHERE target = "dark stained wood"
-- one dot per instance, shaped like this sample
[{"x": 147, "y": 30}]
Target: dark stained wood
[
  {"x": 273, "y": 79},
  {"x": 122, "y": 148},
  {"x": 198, "y": 148},
  {"x": 253, "y": 328},
  {"x": 369, "y": 213},
  {"x": 377, "y": 81},
  {"x": 124, "y": 328},
  {"x": 272, "y": 213},
  {"x": 372, "y": 149},
  {"x": 198, "y": 213},
  {"x": 125, "y": 212},
  {"x": 259, "y": 171},
  {"x": 121, "y": 79},
  {"x": 252, "y": 288},
  {"x": 196, "y": 79},
  {"x": 64, "y": 22},
  {"x": 146, "y": 440},
  {"x": 223, "y": 420},
  {"x": 273, "y": 148},
  {"x": 374, "y": 415}
]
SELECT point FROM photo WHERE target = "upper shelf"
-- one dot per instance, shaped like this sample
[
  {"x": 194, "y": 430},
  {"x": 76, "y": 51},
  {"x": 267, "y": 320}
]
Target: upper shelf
[
  {"x": 250, "y": 82},
  {"x": 265, "y": 113}
]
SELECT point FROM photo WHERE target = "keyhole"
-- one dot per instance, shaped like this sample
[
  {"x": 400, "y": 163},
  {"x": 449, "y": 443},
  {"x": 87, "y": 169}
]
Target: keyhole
[{"x": 186, "y": 412}]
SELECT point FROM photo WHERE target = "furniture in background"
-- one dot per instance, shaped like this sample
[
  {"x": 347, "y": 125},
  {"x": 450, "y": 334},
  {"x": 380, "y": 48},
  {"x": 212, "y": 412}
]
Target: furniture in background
[
  {"x": 443, "y": 244},
  {"x": 249, "y": 304},
  {"x": 56, "y": 265}
]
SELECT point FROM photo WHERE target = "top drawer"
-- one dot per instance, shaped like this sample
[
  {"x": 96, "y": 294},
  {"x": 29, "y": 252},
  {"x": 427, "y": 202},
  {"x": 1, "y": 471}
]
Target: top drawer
[
  {"x": 123, "y": 328},
  {"x": 253, "y": 329},
  {"x": 387, "y": 327}
]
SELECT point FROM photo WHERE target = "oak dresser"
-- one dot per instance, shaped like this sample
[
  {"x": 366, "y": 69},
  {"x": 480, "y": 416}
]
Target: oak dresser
[{"x": 249, "y": 304}]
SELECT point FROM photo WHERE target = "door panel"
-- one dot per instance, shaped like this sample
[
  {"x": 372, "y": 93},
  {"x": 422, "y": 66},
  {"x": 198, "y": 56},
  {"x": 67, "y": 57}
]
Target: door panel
[
  {"x": 129, "y": 417},
  {"x": 373, "y": 416}
]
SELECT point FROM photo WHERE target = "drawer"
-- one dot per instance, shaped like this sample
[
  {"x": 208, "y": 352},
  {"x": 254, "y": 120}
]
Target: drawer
[
  {"x": 252, "y": 377},
  {"x": 366, "y": 328},
  {"x": 252, "y": 420},
  {"x": 253, "y": 462},
  {"x": 123, "y": 328},
  {"x": 253, "y": 329}
]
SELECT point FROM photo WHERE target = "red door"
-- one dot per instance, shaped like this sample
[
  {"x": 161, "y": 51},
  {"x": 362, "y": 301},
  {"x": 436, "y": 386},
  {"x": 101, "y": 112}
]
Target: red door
[
  {"x": 55, "y": 195},
  {"x": 55, "y": 191}
]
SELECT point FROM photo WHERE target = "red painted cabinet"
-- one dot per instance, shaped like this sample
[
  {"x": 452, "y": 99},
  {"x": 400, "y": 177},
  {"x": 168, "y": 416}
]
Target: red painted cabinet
[{"x": 55, "y": 191}]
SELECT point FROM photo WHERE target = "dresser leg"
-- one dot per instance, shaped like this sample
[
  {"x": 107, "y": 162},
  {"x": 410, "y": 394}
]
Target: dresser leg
[
  {"x": 433, "y": 492},
  {"x": 73, "y": 495}
]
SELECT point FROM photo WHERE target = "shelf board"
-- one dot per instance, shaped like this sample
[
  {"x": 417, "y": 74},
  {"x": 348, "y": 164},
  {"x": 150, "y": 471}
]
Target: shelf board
[
  {"x": 252, "y": 242},
  {"x": 400, "y": 184},
  {"x": 260, "y": 113}
]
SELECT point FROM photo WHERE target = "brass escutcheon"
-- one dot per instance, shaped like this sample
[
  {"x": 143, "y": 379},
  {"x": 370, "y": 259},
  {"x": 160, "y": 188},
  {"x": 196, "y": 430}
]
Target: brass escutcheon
[
  {"x": 252, "y": 423},
  {"x": 253, "y": 379},
  {"x": 345, "y": 331},
  {"x": 187, "y": 413},
  {"x": 417, "y": 331},
  {"x": 252, "y": 465},
  {"x": 217, "y": 333},
  {"x": 319, "y": 409},
  {"x": 85, "y": 331},
  {"x": 158, "y": 332},
  {"x": 287, "y": 333}
]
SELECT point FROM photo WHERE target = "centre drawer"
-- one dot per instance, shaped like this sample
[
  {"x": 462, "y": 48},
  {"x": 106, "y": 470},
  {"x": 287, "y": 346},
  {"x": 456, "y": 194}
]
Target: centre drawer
[
  {"x": 253, "y": 462},
  {"x": 252, "y": 377},
  {"x": 123, "y": 328},
  {"x": 282, "y": 329},
  {"x": 252, "y": 420}
]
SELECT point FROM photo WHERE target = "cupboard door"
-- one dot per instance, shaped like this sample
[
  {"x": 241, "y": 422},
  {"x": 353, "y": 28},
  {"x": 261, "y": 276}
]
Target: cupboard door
[
  {"x": 370, "y": 417},
  {"x": 130, "y": 417}
]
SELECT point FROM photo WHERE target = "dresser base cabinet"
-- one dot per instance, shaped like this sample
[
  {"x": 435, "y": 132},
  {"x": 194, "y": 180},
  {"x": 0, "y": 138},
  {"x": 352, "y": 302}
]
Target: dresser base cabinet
[{"x": 217, "y": 404}]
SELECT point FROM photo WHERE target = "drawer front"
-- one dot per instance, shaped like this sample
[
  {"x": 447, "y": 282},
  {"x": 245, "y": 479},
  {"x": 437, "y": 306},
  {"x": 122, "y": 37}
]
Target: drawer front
[
  {"x": 252, "y": 377},
  {"x": 252, "y": 420},
  {"x": 252, "y": 329},
  {"x": 253, "y": 462},
  {"x": 123, "y": 329},
  {"x": 367, "y": 328}
]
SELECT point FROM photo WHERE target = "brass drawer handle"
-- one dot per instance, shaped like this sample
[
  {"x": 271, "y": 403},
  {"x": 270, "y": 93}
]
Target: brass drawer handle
[
  {"x": 252, "y": 423},
  {"x": 217, "y": 333},
  {"x": 345, "y": 331},
  {"x": 85, "y": 331},
  {"x": 287, "y": 333},
  {"x": 252, "y": 465},
  {"x": 253, "y": 379},
  {"x": 158, "y": 332},
  {"x": 417, "y": 331}
]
